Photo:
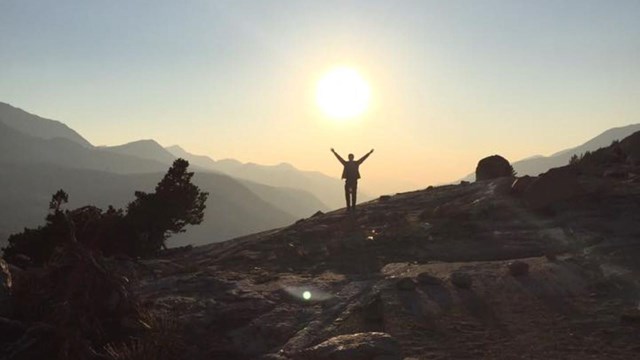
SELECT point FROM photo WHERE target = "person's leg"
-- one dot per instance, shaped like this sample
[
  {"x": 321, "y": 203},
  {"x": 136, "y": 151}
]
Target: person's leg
[
  {"x": 346, "y": 195},
  {"x": 354, "y": 192}
]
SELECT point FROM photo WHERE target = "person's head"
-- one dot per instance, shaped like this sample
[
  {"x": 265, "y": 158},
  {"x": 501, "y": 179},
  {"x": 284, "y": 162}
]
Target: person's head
[{"x": 350, "y": 157}]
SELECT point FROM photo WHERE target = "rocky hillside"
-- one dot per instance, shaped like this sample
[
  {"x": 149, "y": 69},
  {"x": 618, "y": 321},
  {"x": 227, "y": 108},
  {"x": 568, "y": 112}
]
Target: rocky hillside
[
  {"x": 501, "y": 269},
  {"x": 506, "y": 268}
]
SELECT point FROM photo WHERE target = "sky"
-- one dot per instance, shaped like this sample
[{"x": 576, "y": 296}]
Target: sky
[{"x": 451, "y": 81}]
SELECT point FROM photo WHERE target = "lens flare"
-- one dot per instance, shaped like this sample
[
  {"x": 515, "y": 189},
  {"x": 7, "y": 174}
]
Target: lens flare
[{"x": 307, "y": 293}]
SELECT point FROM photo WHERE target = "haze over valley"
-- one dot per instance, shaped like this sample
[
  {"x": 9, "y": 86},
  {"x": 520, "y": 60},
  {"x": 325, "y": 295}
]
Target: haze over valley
[{"x": 40, "y": 156}]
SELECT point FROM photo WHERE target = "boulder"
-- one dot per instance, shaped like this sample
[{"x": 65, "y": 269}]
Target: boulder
[
  {"x": 461, "y": 279},
  {"x": 5, "y": 289},
  {"x": 361, "y": 346},
  {"x": 406, "y": 284},
  {"x": 553, "y": 186},
  {"x": 518, "y": 268},
  {"x": 493, "y": 167}
]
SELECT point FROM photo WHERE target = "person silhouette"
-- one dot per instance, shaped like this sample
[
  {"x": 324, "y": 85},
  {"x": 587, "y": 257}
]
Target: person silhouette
[{"x": 351, "y": 174}]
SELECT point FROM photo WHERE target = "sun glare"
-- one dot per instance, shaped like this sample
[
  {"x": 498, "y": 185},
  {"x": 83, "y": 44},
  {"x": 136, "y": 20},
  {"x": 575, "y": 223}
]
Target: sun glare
[{"x": 342, "y": 93}]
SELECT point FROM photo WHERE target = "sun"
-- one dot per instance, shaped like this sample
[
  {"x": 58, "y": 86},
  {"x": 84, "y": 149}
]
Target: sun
[{"x": 342, "y": 93}]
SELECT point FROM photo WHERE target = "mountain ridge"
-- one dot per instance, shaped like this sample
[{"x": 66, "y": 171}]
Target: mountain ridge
[
  {"x": 37, "y": 126},
  {"x": 143, "y": 148}
]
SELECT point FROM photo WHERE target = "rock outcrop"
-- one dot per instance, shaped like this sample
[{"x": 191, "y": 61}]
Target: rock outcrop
[{"x": 552, "y": 187}]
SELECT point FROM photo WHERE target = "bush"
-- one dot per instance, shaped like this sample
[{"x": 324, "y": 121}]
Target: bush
[{"x": 38, "y": 244}]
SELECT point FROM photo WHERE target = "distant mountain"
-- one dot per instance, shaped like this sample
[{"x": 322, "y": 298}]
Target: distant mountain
[
  {"x": 33, "y": 167},
  {"x": 322, "y": 186},
  {"x": 34, "y": 125},
  {"x": 145, "y": 149},
  {"x": 17, "y": 147},
  {"x": 538, "y": 164},
  {"x": 292, "y": 200},
  {"x": 199, "y": 160},
  {"x": 232, "y": 209}
]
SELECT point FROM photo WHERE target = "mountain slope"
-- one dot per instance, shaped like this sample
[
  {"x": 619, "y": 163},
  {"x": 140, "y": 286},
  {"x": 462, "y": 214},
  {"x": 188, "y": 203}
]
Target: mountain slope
[
  {"x": 539, "y": 165},
  {"x": 293, "y": 201},
  {"x": 602, "y": 140},
  {"x": 16, "y": 147},
  {"x": 37, "y": 126}
]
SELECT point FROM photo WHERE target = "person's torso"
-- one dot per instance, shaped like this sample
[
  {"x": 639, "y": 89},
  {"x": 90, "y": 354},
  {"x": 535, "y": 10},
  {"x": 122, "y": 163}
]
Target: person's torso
[{"x": 351, "y": 171}]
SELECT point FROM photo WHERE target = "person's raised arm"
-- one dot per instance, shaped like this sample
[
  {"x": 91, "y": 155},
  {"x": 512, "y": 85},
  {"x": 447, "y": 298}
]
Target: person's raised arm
[
  {"x": 338, "y": 156},
  {"x": 362, "y": 159}
]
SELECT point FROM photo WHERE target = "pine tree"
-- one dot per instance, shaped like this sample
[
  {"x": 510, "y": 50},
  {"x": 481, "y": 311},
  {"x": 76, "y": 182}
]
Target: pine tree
[{"x": 175, "y": 203}]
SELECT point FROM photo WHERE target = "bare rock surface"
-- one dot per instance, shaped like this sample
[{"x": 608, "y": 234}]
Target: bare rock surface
[
  {"x": 361, "y": 346},
  {"x": 518, "y": 268},
  {"x": 317, "y": 286}
]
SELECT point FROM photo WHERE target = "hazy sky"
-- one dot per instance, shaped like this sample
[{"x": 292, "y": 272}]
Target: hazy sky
[{"x": 451, "y": 81}]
